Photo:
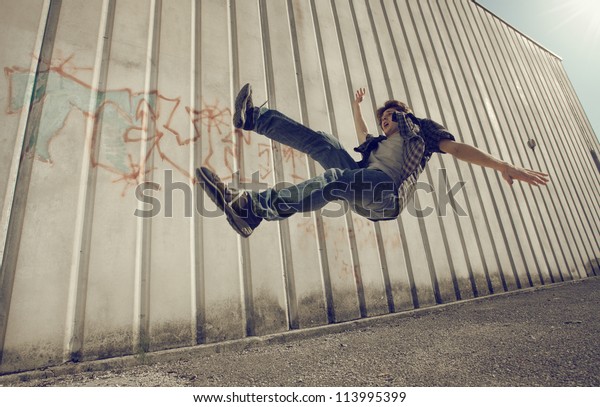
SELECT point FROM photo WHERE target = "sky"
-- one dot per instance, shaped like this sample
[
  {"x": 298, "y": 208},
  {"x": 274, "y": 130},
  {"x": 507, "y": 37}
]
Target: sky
[{"x": 571, "y": 30}]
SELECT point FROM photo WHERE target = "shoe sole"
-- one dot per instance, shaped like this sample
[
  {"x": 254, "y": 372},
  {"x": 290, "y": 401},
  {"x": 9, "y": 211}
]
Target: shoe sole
[
  {"x": 239, "y": 115},
  {"x": 214, "y": 193}
]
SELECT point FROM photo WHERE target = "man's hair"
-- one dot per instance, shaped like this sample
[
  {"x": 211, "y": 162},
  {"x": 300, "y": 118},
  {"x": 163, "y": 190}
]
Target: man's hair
[{"x": 401, "y": 106}]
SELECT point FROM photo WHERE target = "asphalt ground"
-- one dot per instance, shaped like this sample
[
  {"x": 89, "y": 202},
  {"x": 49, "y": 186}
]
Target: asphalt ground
[{"x": 547, "y": 336}]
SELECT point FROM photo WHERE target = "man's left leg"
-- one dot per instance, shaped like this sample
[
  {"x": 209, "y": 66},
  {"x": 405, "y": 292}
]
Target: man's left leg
[{"x": 320, "y": 146}]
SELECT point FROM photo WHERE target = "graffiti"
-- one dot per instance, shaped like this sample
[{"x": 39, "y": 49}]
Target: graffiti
[{"x": 132, "y": 129}]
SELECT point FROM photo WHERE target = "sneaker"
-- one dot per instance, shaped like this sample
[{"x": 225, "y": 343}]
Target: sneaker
[
  {"x": 243, "y": 102},
  {"x": 242, "y": 205},
  {"x": 218, "y": 192}
]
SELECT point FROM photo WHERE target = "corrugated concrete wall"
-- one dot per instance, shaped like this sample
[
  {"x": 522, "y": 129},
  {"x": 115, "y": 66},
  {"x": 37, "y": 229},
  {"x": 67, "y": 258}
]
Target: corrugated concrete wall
[{"x": 99, "y": 97}]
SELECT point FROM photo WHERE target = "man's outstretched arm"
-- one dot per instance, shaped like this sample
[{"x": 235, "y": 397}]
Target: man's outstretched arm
[
  {"x": 359, "y": 122},
  {"x": 509, "y": 172}
]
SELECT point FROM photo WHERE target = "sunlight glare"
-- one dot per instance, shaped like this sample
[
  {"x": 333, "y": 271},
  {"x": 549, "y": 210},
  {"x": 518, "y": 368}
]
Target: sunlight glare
[{"x": 583, "y": 14}]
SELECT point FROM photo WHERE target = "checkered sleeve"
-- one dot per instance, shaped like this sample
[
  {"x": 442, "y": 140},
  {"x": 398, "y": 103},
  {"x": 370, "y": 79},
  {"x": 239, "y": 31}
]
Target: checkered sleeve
[
  {"x": 432, "y": 134},
  {"x": 415, "y": 146},
  {"x": 423, "y": 138}
]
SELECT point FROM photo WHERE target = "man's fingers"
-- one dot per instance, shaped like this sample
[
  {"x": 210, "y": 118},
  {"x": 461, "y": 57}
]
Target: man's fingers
[
  {"x": 540, "y": 174},
  {"x": 539, "y": 178},
  {"x": 360, "y": 93},
  {"x": 532, "y": 177},
  {"x": 534, "y": 180}
]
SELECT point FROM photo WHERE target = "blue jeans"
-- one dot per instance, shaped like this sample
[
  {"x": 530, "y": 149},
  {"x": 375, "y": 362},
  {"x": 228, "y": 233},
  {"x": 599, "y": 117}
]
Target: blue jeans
[{"x": 369, "y": 193}]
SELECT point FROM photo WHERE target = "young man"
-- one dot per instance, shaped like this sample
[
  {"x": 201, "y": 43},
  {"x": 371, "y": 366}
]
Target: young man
[{"x": 378, "y": 187}]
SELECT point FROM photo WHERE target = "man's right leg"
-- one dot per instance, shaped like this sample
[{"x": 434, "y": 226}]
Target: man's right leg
[
  {"x": 370, "y": 193},
  {"x": 321, "y": 147}
]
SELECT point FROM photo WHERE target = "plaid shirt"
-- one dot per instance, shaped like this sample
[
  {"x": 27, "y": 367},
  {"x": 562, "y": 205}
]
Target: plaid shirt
[{"x": 422, "y": 139}]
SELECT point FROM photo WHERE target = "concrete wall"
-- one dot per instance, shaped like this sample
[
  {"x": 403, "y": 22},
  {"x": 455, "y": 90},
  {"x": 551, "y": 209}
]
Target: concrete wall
[{"x": 99, "y": 97}]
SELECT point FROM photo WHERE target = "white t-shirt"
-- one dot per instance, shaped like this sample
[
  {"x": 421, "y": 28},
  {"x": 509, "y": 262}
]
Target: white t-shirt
[{"x": 387, "y": 157}]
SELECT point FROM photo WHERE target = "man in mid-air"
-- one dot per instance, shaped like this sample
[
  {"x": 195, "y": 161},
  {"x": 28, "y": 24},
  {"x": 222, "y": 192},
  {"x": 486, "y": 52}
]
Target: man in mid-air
[{"x": 378, "y": 187}]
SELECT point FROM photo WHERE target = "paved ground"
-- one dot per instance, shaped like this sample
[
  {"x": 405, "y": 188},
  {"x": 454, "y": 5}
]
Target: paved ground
[{"x": 544, "y": 337}]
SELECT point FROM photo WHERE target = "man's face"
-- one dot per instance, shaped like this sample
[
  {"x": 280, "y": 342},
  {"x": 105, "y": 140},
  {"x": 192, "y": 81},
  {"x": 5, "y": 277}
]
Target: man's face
[{"x": 388, "y": 126}]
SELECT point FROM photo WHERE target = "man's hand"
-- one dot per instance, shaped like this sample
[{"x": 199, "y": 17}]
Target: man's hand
[
  {"x": 359, "y": 122},
  {"x": 511, "y": 173},
  {"x": 359, "y": 96}
]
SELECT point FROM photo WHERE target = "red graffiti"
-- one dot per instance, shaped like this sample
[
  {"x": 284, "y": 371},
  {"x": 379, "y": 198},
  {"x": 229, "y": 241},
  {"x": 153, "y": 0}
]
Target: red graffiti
[{"x": 131, "y": 129}]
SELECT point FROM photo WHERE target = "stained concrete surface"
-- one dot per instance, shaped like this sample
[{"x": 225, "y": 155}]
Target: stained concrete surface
[{"x": 539, "y": 337}]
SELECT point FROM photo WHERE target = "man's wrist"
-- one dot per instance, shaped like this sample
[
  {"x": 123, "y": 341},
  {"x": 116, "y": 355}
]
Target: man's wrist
[{"x": 502, "y": 166}]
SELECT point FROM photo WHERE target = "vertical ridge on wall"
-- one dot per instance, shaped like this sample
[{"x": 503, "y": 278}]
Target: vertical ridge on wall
[
  {"x": 223, "y": 290},
  {"x": 577, "y": 192},
  {"x": 523, "y": 122},
  {"x": 380, "y": 232},
  {"x": 318, "y": 220},
  {"x": 575, "y": 104},
  {"x": 400, "y": 224},
  {"x": 465, "y": 285},
  {"x": 338, "y": 309},
  {"x": 377, "y": 227},
  {"x": 283, "y": 226},
  {"x": 333, "y": 313},
  {"x": 445, "y": 292},
  {"x": 581, "y": 180},
  {"x": 283, "y": 76},
  {"x": 495, "y": 267},
  {"x": 197, "y": 245},
  {"x": 501, "y": 214},
  {"x": 579, "y": 116},
  {"x": 85, "y": 213},
  {"x": 559, "y": 152},
  {"x": 501, "y": 263},
  {"x": 292, "y": 298},
  {"x": 574, "y": 147},
  {"x": 366, "y": 290},
  {"x": 375, "y": 283},
  {"x": 394, "y": 274},
  {"x": 423, "y": 268},
  {"x": 141, "y": 327},
  {"x": 291, "y": 275},
  {"x": 349, "y": 221},
  {"x": 244, "y": 245},
  {"x": 473, "y": 262},
  {"x": 417, "y": 103},
  {"x": 23, "y": 158},
  {"x": 20, "y": 142},
  {"x": 517, "y": 147},
  {"x": 579, "y": 113},
  {"x": 561, "y": 121},
  {"x": 527, "y": 122},
  {"x": 521, "y": 194},
  {"x": 512, "y": 224}
]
